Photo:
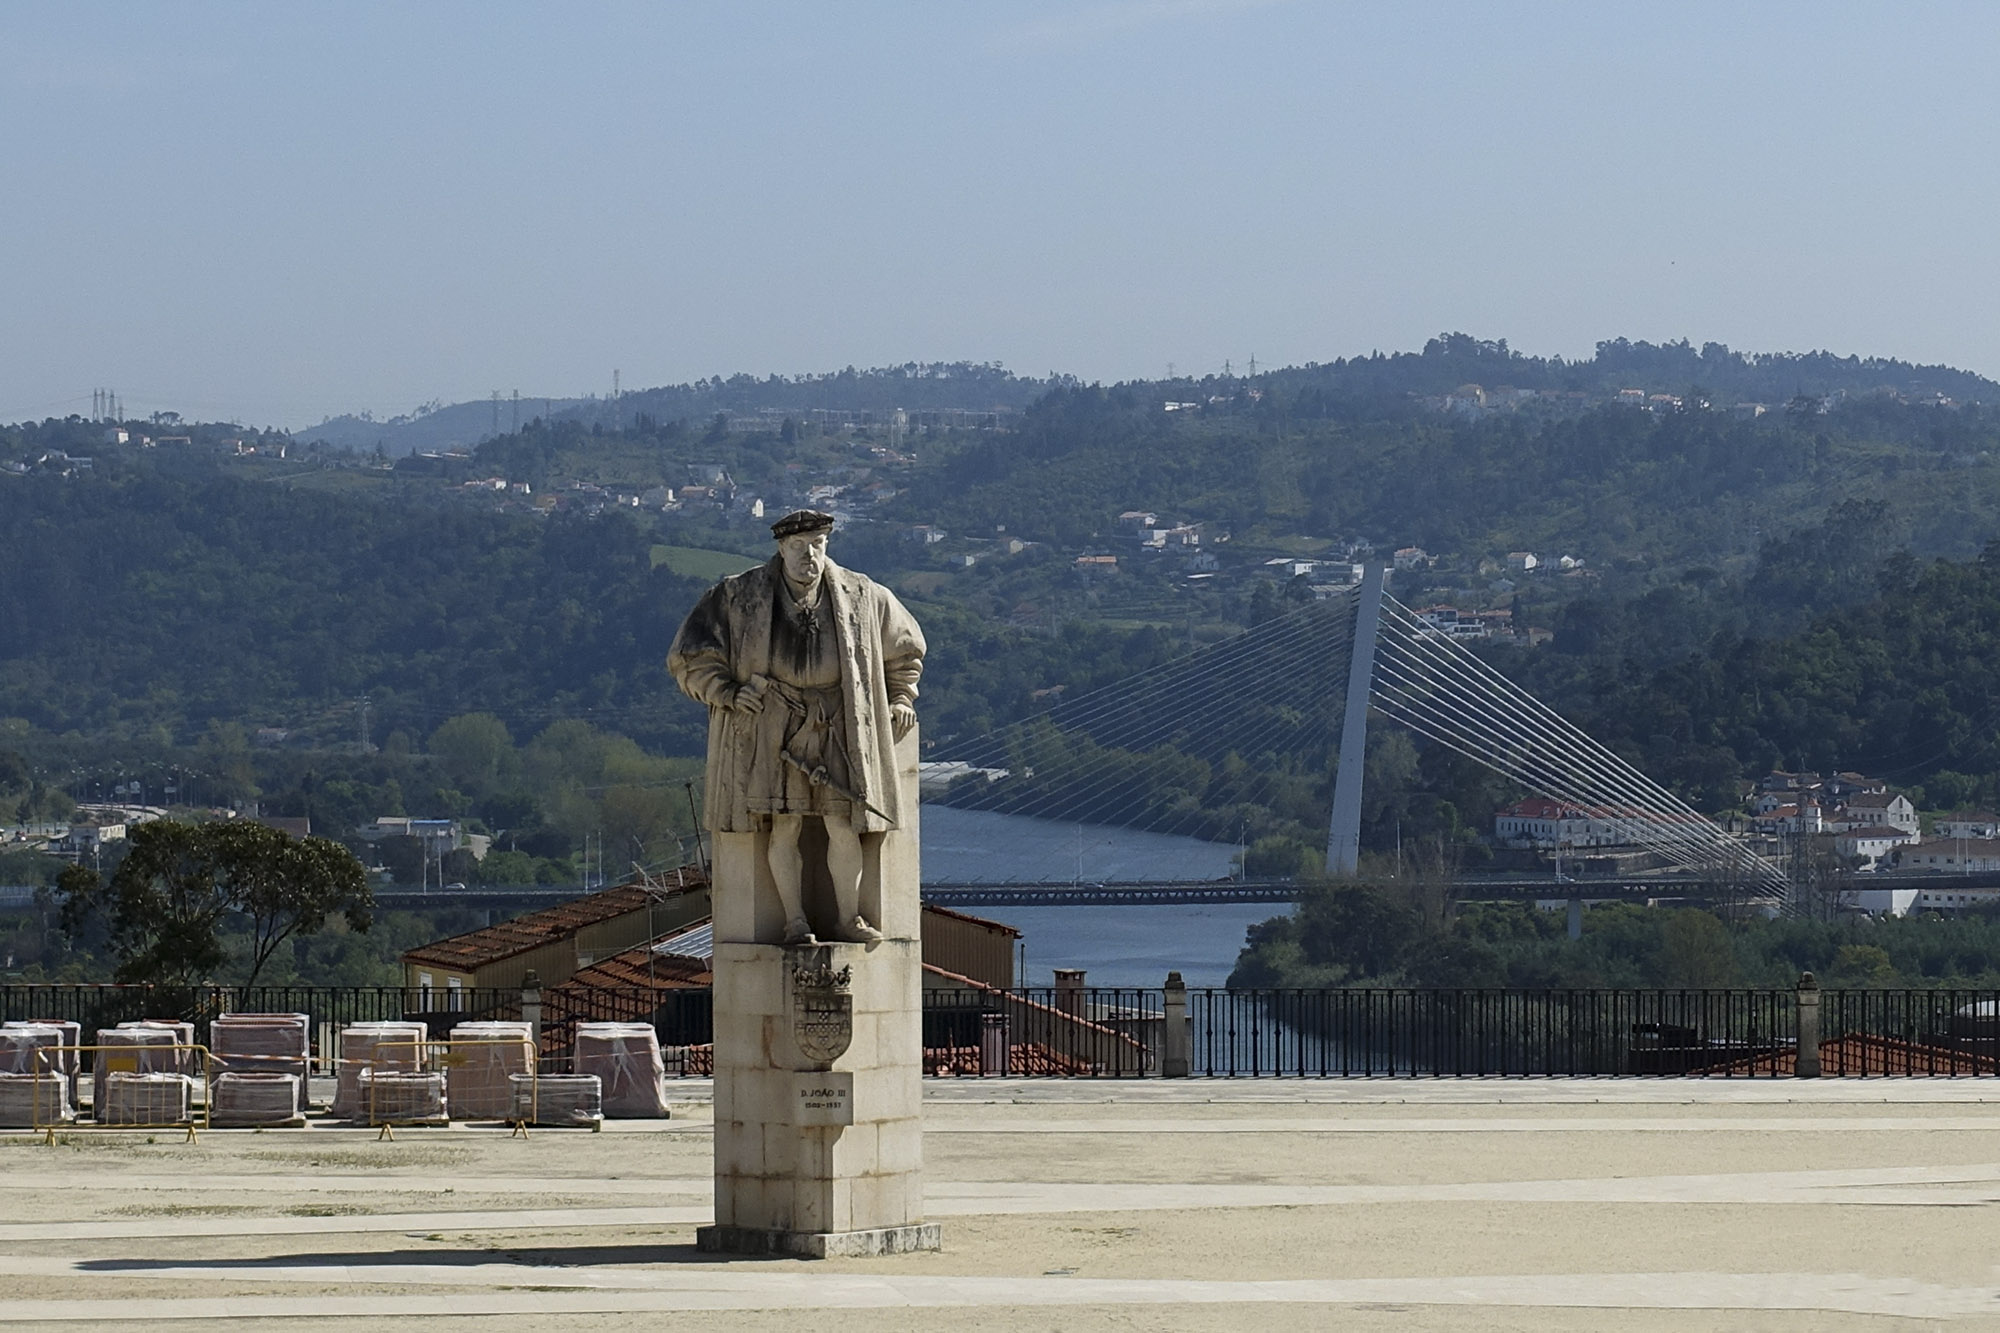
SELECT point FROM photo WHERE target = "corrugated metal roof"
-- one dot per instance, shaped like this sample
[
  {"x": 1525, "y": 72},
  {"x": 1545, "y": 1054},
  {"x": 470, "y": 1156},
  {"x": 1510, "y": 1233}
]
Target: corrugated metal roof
[
  {"x": 640, "y": 968},
  {"x": 475, "y": 949},
  {"x": 697, "y": 941}
]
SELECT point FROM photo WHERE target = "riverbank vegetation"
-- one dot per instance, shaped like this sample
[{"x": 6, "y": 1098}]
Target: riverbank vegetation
[{"x": 1374, "y": 936}]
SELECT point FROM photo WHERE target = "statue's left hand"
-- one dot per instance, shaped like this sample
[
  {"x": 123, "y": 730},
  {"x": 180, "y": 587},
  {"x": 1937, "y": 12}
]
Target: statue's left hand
[{"x": 901, "y": 718}]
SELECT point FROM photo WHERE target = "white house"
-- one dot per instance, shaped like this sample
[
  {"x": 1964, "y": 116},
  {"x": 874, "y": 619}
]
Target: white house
[
  {"x": 1454, "y": 623},
  {"x": 1867, "y": 809},
  {"x": 1767, "y": 801},
  {"x": 1522, "y": 561},
  {"x": 1784, "y": 819},
  {"x": 1954, "y": 898},
  {"x": 1969, "y": 824},
  {"x": 85, "y": 839},
  {"x": 1870, "y": 844},
  {"x": 438, "y": 835},
  {"x": 1954, "y": 856},
  {"x": 1544, "y": 823}
]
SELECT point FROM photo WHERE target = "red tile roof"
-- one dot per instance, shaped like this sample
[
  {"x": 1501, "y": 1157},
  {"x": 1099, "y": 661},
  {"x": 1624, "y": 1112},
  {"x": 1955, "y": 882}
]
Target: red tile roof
[
  {"x": 474, "y": 949},
  {"x": 642, "y": 969},
  {"x": 1863, "y": 1053}
]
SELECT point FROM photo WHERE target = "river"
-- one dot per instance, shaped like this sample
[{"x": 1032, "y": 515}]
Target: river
[{"x": 1116, "y": 946}]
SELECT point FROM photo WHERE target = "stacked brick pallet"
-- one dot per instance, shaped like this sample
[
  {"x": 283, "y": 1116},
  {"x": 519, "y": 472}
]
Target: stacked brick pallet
[
  {"x": 377, "y": 1048},
  {"x": 626, "y": 1059},
  {"x": 563, "y": 1100},
  {"x": 136, "y": 1049},
  {"x": 36, "y": 1087},
  {"x": 484, "y": 1057}
]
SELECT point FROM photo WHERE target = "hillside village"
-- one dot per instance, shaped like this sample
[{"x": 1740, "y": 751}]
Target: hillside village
[{"x": 1848, "y": 825}]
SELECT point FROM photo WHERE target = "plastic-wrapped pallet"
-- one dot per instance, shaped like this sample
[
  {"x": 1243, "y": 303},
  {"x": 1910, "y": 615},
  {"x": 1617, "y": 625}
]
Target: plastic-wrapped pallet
[
  {"x": 626, "y": 1057},
  {"x": 379, "y": 1046},
  {"x": 557, "y": 1099},
  {"x": 27, "y": 1102},
  {"x": 185, "y": 1062},
  {"x": 131, "y": 1050},
  {"x": 34, "y": 1047},
  {"x": 145, "y": 1100},
  {"x": 239, "y": 1100},
  {"x": 483, "y": 1057},
  {"x": 72, "y": 1039},
  {"x": 70, "y": 1059},
  {"x": 400, "y": 1097},
  {"x": 22, "y": 1047},
  {"x": 261, "y": 1044}
]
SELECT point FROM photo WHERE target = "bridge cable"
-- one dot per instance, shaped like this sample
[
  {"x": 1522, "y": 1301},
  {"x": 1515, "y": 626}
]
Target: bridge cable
[{"x": 1440, "y": 664}]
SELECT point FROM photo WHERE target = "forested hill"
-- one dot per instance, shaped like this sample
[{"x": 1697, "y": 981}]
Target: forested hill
[
  {"x": 1904, "y": 686},
  {"x": 1346, "y": 386},
  {"x": 1611, "y": 483},
  {"x": 1712, "y": 371},
  {"x": 932, "y": 386},
  {"x": 147, "y": 604},
  {"x": 173, "y": 586}
]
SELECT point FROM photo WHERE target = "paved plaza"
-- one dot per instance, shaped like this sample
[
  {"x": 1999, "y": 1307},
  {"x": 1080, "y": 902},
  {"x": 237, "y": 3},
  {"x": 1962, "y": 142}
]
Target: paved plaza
[{"x": 1475, "y": 1204}]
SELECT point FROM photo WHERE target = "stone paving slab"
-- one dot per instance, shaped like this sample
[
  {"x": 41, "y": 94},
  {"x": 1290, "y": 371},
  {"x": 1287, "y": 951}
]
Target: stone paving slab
[
  {"x": 1486, "y": 1205},
  {"x": 530, "y": 1294}
]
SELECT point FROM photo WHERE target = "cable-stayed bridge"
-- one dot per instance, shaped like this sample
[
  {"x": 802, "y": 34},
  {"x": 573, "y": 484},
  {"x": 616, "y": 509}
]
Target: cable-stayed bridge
[{"x": 1234, "y": 742}]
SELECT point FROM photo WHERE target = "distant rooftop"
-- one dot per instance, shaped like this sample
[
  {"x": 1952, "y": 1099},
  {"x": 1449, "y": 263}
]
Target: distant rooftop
[{"x": 477, "y": 948}]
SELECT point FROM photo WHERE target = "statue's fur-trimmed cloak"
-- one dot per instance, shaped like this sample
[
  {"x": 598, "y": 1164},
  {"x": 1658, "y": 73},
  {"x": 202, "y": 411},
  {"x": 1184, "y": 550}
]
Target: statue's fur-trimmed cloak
[{"x": 726, "y": 640}]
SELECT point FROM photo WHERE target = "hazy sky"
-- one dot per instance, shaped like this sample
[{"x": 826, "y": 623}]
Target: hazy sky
[{"x": 277, "y": 212}]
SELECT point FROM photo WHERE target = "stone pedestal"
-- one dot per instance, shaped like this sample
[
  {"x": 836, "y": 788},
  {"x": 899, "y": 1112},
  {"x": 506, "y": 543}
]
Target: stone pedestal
[{"x": 817, "y": 1157}]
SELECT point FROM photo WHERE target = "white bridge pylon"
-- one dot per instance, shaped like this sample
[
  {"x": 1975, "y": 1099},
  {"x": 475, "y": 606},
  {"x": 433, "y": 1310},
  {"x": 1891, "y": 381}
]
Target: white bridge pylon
[
  {"x": 1236, "y": 735},
  {"x": 1422, "y": 679}
]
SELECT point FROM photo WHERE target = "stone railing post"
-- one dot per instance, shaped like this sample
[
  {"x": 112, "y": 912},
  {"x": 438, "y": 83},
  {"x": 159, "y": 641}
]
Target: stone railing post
[
  {"x": 1176, "y": 1053},
  {"x": 995, "y": 1046},
  {"x": 531, "y": 1006},
  {"x": 1808, "y": 1027}
]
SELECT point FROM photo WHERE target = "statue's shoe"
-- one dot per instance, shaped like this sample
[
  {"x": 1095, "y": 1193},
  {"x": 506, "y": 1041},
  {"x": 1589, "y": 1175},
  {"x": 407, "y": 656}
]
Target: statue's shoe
[
  {"x": 860, "y": 932},
  {"x": 799, "y": 931}
]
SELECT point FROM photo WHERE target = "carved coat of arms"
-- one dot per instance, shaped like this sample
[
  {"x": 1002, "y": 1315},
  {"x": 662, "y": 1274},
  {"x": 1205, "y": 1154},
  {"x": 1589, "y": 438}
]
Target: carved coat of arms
[{"x": 822, "y": 1010}]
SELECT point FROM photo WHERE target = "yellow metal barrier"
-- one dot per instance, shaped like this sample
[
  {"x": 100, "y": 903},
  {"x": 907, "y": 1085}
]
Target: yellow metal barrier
[
  {"x": 535, "y": 1106},
  {"x": 434, "y": 1055},
  {"x": 125, "y": 1060}
]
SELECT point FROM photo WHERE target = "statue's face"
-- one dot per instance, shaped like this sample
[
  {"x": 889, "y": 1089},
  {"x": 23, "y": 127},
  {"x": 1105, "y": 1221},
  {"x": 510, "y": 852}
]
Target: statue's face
[{"x": 804, "y": 554}]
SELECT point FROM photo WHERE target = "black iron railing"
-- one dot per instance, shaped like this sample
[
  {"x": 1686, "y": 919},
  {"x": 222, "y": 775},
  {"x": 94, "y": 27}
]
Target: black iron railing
[{"x": 1211, "y": 1033}]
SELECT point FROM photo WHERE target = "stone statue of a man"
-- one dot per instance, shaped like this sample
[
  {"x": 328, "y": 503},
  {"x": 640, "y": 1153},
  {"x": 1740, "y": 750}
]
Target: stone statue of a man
[{"x": 810, "y": 675}]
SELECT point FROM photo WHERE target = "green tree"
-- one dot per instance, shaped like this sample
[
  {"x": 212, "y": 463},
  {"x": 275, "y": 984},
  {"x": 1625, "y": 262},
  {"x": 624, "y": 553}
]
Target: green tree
[
  {"x": 403, "y": 856},
  {"x": 1696, "y": 951},
  {"x": 1862, "y": 965},
  {"x": 474, "y": 749},
  {"x": 1359, "y": 928},
  {"x": 168, "y": 903},
  {"x": 285, "y": 886},
  {"x": 163, "y": 906}
]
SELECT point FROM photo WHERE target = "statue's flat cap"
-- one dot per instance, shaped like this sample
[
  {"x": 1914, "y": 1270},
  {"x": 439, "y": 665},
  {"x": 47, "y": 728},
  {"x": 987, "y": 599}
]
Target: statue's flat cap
[{"x": 801, "y": 520}]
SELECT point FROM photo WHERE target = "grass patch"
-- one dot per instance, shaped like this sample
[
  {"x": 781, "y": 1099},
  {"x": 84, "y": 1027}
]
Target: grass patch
[{"x": 697, "y": 562}]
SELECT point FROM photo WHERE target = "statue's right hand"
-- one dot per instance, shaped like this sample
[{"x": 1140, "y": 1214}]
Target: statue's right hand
[{"x": 749, "y": 698}]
